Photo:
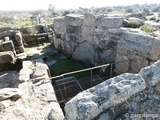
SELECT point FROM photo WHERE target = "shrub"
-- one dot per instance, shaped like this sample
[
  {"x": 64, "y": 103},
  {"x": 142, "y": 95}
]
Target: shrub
[
  {"x": 147, "y": 28},
  {"x": 132, "y": 24}
]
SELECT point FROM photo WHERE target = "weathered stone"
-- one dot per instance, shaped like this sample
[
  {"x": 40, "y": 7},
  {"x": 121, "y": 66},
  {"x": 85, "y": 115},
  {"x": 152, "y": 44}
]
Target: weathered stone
[
  {"x": 57, "y": 43},
  {"x": 56, "y": 113},
  {"x": 108, "y": 56},
  {"x": 121, "y": 64},
  {"x": 7, "y": 93},
  {"x": 89, "y": 103},
  {"x": 69, "y": 47},
  {"x": 74, "y": 19},
  {"x": 18, "y": 38},
  {"x": 24, "y": 75},
  {"x": 9, "y": 33},
  {"x": 6, "y": 39},
  {"x": 87, "y": 31},
  {"x": 58, "y": 22},
  {"x": 84, "y": 52},
  {"x": 6, "y": 59},
  {"x": 111, "y": 22},
  {"x": 8, "y": 46},
  {"x": 157, "y": 89},
  {"x": 151, "y": 74},
  {"x": 135, "y": 43},
  {"x": 76, "y": 30},
  {"x": 89, "y": 20},
  {"x": 21, "y": 49}
]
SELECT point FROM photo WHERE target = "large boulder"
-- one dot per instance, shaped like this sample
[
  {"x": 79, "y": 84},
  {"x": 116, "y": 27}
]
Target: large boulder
[
  {"x": 19, "y": 41},
  {"x": 139, "y": 44},
  {"x": 108, "y": 56},
  {"x": 89, "y": 20},
  {"x": 112, "y": 22},
  {"x": 84, "y": 52},
  {"x": 59, "y": 25},
  {"x": 74, "y": 19},
  {"x": 90, "y": 103},
  {"x": 6, "y": 59}
]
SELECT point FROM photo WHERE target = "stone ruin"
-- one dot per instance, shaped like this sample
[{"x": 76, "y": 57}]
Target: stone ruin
[{"x": 28, "y": 94}]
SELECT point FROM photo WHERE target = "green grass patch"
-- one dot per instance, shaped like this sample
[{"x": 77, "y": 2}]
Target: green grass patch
[
  {"x": 68, "y": 65},
  {"x": 24, "y": 24},
  {"x": 147, "y": 28}
]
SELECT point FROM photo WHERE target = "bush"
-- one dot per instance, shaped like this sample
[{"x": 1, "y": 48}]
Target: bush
[
  {"x": 132, "y": 24},
  {"x": 147, "y": 28}
]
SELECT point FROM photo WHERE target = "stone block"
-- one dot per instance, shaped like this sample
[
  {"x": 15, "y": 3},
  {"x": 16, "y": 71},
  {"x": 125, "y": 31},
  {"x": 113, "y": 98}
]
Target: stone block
[
  {"x": 121, "y": 64},
  {"x": 139, "y": 44},
  {"x": 111, "y": 22},
  {"x": 84, "y": 52},
  {"x": 74, "y": 19},
  {"x": 89, "y": 20},
  {"x": 91, "y": 102},
  {"x": 58, "y": 22},
  {"x": 8, "y": 46}
]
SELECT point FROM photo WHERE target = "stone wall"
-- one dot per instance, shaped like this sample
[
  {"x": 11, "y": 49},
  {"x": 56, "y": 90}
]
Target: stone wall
[
  {"x": 11, "y": 40},
  {"x": 100, "y": 39},
  {"x": 34, "y": 35},
  {"x": 88, "y": 38},
  {"x": 119, "y": 98},
  {"x": 33, "y": 98},
  {"x": 141, "y": 50}
]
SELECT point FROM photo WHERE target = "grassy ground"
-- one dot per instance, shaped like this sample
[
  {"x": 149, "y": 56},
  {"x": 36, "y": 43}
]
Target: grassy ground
[{"x": 68, "y": 65}]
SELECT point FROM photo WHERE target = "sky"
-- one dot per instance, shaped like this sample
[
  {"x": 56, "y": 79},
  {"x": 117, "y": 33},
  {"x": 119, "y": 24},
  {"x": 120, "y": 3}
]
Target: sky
[{"x": 66, "y": 4}]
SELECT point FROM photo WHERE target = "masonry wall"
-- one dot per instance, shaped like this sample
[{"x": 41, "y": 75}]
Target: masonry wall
[
  {"x": 91, "y": 39},
  {"x": 101, "y": 39}
]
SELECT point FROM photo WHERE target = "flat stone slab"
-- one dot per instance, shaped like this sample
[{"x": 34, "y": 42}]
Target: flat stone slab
[{"x": 89, "y": 103}]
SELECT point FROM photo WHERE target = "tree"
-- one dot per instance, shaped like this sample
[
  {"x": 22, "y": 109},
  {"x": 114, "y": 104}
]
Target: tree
[{"x": 51, "y": 8}]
